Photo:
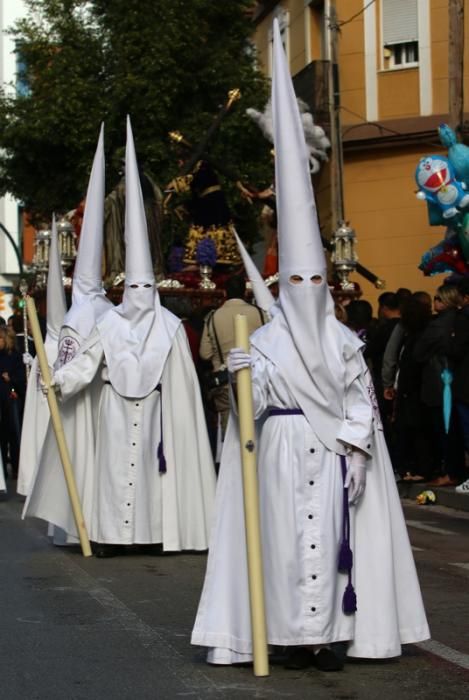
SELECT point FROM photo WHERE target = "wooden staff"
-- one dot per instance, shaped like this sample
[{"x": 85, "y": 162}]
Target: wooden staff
[
  {"x": 251, "y": 505},
  {"x": 23, "y": 287},
  {"x": 58, "y": 429}
]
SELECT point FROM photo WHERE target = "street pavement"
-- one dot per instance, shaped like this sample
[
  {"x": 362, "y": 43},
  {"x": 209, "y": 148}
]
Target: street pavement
[{"x": 118, "y": 629}]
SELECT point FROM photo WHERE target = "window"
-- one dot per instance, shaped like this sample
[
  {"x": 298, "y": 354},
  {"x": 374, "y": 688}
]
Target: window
[{"x": 400, "y": 33}]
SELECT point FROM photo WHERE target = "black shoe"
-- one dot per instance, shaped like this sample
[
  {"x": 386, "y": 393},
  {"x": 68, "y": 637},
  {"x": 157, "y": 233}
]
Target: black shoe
[
  {"x": 326, "y": 660},
  {"x": 104, "y": 551},
  {"x": 299, "y": 659}
]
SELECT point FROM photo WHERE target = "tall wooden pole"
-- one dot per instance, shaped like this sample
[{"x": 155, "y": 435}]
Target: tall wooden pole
[
  {"x": 58, "y": 429},
  {"x": 456, "y": 64},
  {"x": 251, "y": 505}
]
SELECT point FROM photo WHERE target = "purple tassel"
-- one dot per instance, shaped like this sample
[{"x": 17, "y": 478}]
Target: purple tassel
[
  {"x": 345, "y": 557},
  {"x": 161, "y": 459},
  {"x": 160, "y": 450},
  {"x": 349, "y": 601}
]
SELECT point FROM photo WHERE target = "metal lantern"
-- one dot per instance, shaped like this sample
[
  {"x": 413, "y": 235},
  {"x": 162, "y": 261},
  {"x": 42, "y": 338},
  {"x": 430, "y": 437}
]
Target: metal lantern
[
  {"x": 67, "y": 242},
  {"x": 343, "y": 254},
  {"x": 40, "y": 262}
]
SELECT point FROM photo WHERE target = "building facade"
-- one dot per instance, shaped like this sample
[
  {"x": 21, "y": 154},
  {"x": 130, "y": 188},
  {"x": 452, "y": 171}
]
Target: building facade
[{"x": 392, "y": 69}]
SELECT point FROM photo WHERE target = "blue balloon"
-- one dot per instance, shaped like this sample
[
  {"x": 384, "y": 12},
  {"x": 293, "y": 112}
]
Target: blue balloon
[
  {"x": 458, "y": 153},
  {"x": 437, "y": 184}
]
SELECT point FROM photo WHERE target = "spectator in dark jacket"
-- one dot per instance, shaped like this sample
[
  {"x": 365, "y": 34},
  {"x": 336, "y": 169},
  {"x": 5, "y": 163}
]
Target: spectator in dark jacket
[
  {"x": 414, "y": 438},
  {"x": 432, "y": 350},
  {"x": 12, "y": 392},
  {"x": 378, "y": 337},
  {"x": 459, "y": 355}
]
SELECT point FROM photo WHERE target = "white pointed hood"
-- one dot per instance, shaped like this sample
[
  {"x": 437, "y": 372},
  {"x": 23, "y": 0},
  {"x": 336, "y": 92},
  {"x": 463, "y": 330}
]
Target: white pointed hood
[
  {"x": 89, "y": 302},
  {"x": 136, "y": 335},
  {"x": 262, "y": 294},
  {"x": 304, "y": 340},
  {"x": 56, "y": 305}
]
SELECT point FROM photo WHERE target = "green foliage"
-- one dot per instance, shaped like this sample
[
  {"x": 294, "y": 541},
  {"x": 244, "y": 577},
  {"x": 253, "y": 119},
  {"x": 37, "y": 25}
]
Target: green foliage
[{"x": 167, "y": 63}]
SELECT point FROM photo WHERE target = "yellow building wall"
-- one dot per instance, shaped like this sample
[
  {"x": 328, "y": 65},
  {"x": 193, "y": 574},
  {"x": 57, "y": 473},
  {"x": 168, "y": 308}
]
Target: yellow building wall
[
  {"x": 398, "y": 93},
  {"x": 391, "y": 224},
  {"x": 351, "y": 53}
]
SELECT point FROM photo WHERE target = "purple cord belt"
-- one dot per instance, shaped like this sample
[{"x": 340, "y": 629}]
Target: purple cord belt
[{"x": 285, "y": 412}]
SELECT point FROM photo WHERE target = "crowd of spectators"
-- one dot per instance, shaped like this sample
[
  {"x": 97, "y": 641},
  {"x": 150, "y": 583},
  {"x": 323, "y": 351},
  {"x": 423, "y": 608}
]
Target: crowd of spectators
[
  {"x": 417, "y": 350},
  {"x": 12, "y": 389}
]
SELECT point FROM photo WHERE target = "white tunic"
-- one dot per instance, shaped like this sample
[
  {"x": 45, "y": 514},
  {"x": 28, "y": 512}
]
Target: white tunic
[
  {"x": 128, "y": 500},
  {"x": 301, "y": 496},
  {"x": 35, "y": 421}
]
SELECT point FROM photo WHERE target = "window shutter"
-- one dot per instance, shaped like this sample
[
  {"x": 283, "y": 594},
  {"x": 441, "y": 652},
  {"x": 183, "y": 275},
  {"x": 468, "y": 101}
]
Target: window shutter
[{"x": 399, "y": 21}]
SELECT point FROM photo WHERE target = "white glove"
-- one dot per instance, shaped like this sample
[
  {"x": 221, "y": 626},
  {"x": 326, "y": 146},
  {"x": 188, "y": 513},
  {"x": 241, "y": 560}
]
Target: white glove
[
  {"x": 238, "y": 359},
  {"x": 27, "y": 359},
  {"x": 45, "y": 389},
  {"x": 355, "y": 479}
]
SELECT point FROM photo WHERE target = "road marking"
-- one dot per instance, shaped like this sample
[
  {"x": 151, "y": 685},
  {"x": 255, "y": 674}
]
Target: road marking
[
  {"x": 444, "y": 652},
  {"x": 462, "y": 565},
  {"x": 417, "y": 549},
  {"x": 429, "y": 528}
]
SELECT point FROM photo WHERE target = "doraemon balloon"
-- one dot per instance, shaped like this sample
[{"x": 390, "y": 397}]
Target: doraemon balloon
[
  {"x": 437, "y": 184},
  {"x": 458, "y": 153}
]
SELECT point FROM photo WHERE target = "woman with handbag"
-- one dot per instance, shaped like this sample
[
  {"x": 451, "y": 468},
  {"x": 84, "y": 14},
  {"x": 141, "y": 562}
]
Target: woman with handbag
[{"x": 218, "y": 339}]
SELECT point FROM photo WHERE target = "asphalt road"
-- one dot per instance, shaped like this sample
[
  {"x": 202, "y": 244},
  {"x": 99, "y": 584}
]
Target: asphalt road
[{"x": 118, "y": 629}]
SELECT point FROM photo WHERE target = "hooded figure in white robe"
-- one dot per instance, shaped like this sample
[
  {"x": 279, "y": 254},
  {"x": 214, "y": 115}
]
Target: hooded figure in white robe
[
  {"x": 154, "y": 479},
  {"x": 36, "y": 410},
  {"x": 262, "y": 294},
  {"x": 49, "y": 499},
  {"x": 334, "y": 571}
]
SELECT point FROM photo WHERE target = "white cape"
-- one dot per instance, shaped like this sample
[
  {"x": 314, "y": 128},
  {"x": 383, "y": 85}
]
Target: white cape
[{"x": 35, "y": 422}]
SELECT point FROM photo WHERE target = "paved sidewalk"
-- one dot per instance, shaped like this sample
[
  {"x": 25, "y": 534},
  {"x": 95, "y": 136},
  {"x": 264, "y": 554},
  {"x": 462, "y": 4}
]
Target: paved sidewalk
[{"x": 445, "y": 495}]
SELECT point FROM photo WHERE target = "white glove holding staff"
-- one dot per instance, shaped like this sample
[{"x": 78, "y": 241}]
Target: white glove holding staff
[
  {"x": 355, "y": 479},
  {"x": 28, "y": 359},
  {"x": 238, "y": 359},
  {"x": 45, "y": 389}
]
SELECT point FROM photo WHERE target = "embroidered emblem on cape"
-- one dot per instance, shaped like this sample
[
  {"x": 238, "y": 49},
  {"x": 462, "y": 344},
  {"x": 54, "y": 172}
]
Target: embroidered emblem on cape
[
  {"x": 374, "y": 403},
  {"x": 67, "y": 350}
]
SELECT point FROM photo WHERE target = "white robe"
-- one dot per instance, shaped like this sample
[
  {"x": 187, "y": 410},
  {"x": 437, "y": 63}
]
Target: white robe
[
  {"x": 303, "y": 588},
  {"x": 35, "y": 421},
  {"x": 79, "y": 416},
  {"x": 125, "y": 499},
  {"x": 3, "y": 486}
]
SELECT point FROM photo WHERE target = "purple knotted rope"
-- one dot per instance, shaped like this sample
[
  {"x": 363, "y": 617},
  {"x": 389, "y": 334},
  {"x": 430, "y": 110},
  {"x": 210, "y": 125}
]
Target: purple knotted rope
[
  {"x": 345, "y": 564},
  {"x": 160, "y": 448}
]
